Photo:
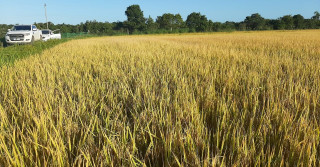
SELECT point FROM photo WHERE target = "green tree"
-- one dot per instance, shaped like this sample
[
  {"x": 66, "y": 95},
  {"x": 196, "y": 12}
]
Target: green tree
[
  {"x": 287, "y": 20},
  {"x": 165, "y": 21},
  {"x": 170, "y": 21},
  {"x": 316, "y": 16},
  {"x": 242, "y": 26},
  {"x": 298, "y": 21},
  {"x": 210, "y": 26},
  {"x": 178, "y": 21},
  {"x": 278, "y": 24},
  {"x": 229, "y": 26},
  {"x": 135, "y": 19},
  {"x": 196, "y": 21},
  {"x": 216, "y": 26},
  {"x": 255, "y": 22},
  {"x": 151, "y": 25},
  {"x": 316, "y": 20}
]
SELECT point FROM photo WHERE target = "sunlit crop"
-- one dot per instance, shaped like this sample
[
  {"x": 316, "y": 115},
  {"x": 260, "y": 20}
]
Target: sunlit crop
[{"x": 221, "y": 99}]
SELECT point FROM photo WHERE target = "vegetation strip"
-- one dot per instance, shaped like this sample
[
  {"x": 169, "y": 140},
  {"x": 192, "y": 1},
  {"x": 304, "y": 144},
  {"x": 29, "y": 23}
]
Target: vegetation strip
[{"x": 9, "y": 55}]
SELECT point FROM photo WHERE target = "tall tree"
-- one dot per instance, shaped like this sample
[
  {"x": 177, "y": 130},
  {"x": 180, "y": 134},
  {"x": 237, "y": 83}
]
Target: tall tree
[
  {"x": 298, "y": 21},
  {"x": 165, "y": 21},
  {"x": 316, "y": 16},
  {"x": 210, "y": 25},
  {"x": 151, "y": 25},
  {"x": 255, "y": 22},
  {"x": 170, "y": 21},
  {"x": 135, "y": 18},
  {"x": 198, "y": 22},
  {"x": 287, "y": 20},
  {"x": 316, "y": 20},
  {"x": 178, "y": 21}
]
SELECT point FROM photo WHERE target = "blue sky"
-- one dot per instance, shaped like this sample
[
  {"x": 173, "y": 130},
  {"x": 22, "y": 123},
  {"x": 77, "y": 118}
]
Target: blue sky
[{"x": 76, "y": 11}]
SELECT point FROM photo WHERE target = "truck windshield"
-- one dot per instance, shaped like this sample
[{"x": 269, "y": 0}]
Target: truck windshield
[
  {"x": 45, "y": 32},
  {"x": 19, "y": 28}
]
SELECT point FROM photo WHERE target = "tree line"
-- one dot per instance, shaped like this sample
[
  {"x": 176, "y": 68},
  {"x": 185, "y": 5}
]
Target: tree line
[{"x": 137, "y": 23}]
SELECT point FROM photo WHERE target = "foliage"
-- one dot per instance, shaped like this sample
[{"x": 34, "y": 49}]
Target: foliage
[
  {"x": 229, "y": 26},
  {"x": 150, "y": 24},
  {"x": 198, "y": 22},
  {"x": 3, "y": 30},
  {"x": 316, "y": 16},
  {"x": 136, "y": 20},
  {"x": 255, "y": 22},
  {"x": 170, "y": 21},
  {"x": 298, "y": 21},
  {"x": 287, "y": 22}
]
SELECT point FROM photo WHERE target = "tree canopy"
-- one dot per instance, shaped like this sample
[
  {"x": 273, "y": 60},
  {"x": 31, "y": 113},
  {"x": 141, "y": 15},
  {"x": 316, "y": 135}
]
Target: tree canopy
[
  {"x": 170, "y": 21},
  {"x": 287, "y": 22},
  {"x": 298, "y": 21},
  {"x": 196, "y": 21},
  {"x": 255, "y": 22},
  {"x": 136, "y": 20}
]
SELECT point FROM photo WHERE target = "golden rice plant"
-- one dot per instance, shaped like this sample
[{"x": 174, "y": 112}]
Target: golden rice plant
[{"x": 220, "y": 99}]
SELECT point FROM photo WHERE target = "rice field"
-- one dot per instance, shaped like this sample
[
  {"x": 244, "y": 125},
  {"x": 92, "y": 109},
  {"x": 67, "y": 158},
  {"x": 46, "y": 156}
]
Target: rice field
[{"x": 220, "y": 99}]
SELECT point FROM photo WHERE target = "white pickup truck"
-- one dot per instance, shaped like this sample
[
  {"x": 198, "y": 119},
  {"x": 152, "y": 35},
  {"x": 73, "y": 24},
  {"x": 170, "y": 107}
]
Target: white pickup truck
[
  {"x": 48, "y": 34},
  {"x": 22, "y": 34}
]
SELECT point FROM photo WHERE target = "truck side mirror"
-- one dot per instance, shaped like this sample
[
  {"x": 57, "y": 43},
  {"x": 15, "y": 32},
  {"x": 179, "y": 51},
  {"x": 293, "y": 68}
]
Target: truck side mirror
[
  {"x": 9, "y": 30},
  {"x": 34, "y": 29}
]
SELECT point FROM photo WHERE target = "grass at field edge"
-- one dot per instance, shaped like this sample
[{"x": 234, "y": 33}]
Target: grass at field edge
[{"x": 8, "y": 55}]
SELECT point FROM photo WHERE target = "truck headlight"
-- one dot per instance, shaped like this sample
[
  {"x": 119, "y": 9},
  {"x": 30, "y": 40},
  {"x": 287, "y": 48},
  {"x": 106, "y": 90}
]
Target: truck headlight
[{"x": 7, "y": 35}]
